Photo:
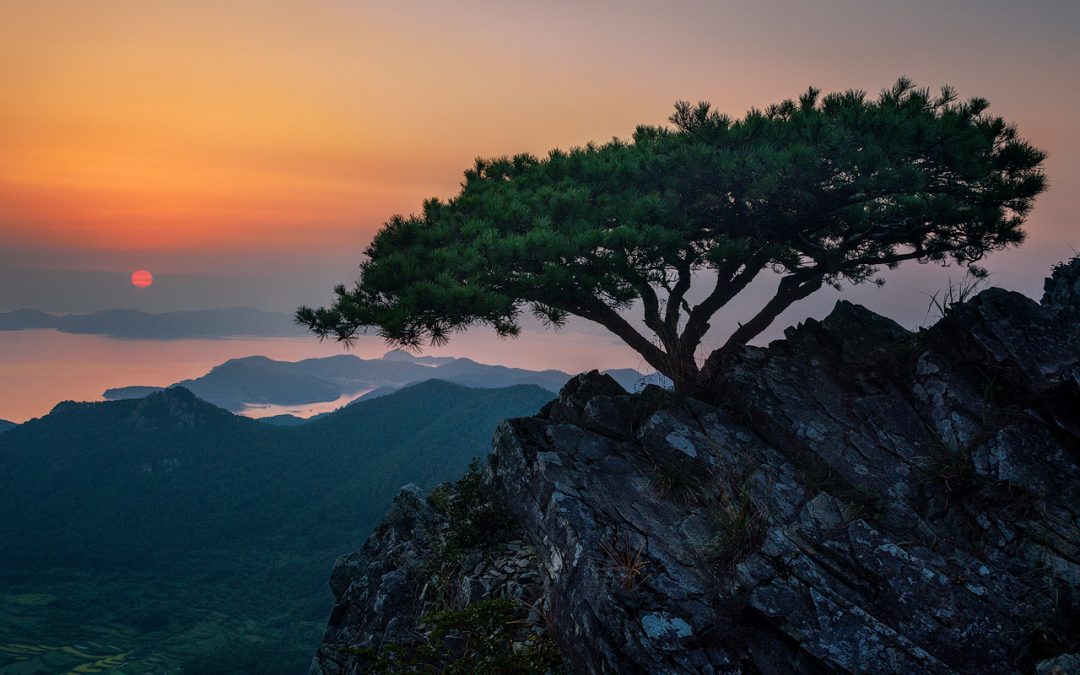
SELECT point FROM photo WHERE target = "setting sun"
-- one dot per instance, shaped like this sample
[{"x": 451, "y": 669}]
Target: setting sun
[{"x": 142, "y": 279}]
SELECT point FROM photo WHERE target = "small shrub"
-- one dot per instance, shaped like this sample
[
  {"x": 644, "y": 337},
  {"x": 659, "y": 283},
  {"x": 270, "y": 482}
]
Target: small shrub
[
  {"x": 475, "y": 519},
  {"x": 486, "y": 637},
  {"x": 1058, "y": 635}
]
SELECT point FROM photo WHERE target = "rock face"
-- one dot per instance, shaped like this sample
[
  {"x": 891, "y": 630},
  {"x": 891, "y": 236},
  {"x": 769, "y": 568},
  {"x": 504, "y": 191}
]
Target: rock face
[
  {"x": 443, "y": 583},
  {"x": 854, "y": 498}
]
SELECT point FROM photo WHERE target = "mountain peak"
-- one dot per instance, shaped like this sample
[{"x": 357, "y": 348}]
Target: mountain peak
[
  {"x": 398, "y": 355},
  {"x": 175, "y": 407},
  {"x": 176, "y": 393}
]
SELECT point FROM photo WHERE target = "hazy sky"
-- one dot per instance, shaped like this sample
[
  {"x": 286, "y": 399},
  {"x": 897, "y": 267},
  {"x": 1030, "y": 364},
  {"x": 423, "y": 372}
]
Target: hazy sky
[{"x": 246, "y": 151}]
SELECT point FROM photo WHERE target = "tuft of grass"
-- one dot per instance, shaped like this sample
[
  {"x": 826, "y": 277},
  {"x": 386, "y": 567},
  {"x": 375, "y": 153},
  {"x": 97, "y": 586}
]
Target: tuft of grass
[
  {"x": 679, "y": 484},
  {"x": 955, "y": 471},
  {"x": 739, "y": 523},
  {"x": 956, "y": 292},
  {"x": 627, "y": 564}
]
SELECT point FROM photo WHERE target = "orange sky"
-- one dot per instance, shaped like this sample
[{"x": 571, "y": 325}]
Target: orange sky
[
  {"x": 188, "y": 125},
  {"x": 245, "y": 151},
  {"x": 134, "y": 131}
]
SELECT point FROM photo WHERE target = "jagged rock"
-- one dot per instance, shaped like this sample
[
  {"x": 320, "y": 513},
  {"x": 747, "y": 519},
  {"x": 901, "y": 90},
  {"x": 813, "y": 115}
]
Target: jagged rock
[
  {"x": 388, "y": 594},
  {"x": 594, "y": 401},
  {"x": 854, "y": 498},
  {"x": 1066, "y": 664},
  {"x": 375, "y": 587}
]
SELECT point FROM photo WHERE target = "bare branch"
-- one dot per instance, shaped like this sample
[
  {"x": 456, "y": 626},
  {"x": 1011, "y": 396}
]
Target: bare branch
[
  {"x": 792, "y": 289},
  {"x": 727, "y": 287},
  {"x": 609, "y": 318},
  {"x": 676, "y": 295}
]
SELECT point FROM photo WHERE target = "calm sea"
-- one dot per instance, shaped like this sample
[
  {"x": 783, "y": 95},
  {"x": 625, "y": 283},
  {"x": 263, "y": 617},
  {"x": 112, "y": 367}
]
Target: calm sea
[{"x": 39, "y": 368}]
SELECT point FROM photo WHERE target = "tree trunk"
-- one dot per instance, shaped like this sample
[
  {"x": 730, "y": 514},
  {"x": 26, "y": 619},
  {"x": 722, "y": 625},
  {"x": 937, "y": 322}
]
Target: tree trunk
[
  {"x": 713, "y": 367},
  {"x": 683, "y": 371}
]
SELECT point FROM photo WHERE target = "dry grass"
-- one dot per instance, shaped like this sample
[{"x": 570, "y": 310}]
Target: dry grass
[{"x": 627, "y": 564}]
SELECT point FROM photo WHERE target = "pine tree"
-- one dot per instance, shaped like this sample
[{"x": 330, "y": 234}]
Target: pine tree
[{"x": 820, "y": 190}]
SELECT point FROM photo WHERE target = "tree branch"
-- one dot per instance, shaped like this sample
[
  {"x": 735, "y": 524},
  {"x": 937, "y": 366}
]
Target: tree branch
[
  {"x": 675, "y": 300},
  {"x": 792, "y": 289},
  {"x": 595, "y": 310},
  {"x": 668, "y": 338},
  {"x": 726, "y": 288}
]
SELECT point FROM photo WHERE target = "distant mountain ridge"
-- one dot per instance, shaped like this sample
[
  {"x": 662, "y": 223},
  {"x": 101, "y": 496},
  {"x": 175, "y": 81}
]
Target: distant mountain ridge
[
  {"x": 113, "y": 438},
  {"x": 241, "y": 383},
  {"x": 27, "y": 319},
  {"x": 133, "y": 324},
  {"x": 5, "y": 425}
]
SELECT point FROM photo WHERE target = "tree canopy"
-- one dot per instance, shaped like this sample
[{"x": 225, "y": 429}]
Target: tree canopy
[{"x": 820, "y": 190}]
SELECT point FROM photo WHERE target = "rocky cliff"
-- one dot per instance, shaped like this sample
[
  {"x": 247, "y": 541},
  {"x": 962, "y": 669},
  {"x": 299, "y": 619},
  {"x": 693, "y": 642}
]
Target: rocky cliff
[{"x": 854, "y": 498}]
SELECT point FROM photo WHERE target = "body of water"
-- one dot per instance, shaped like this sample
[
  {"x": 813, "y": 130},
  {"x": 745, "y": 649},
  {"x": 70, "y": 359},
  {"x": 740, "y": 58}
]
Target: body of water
[
  {"x": 39, "y": 368},
  {"x": 259, "y": 410}
]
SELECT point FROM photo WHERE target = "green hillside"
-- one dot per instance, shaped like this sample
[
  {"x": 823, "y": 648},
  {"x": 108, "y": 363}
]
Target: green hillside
[{"x": 183, "y": 535}]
